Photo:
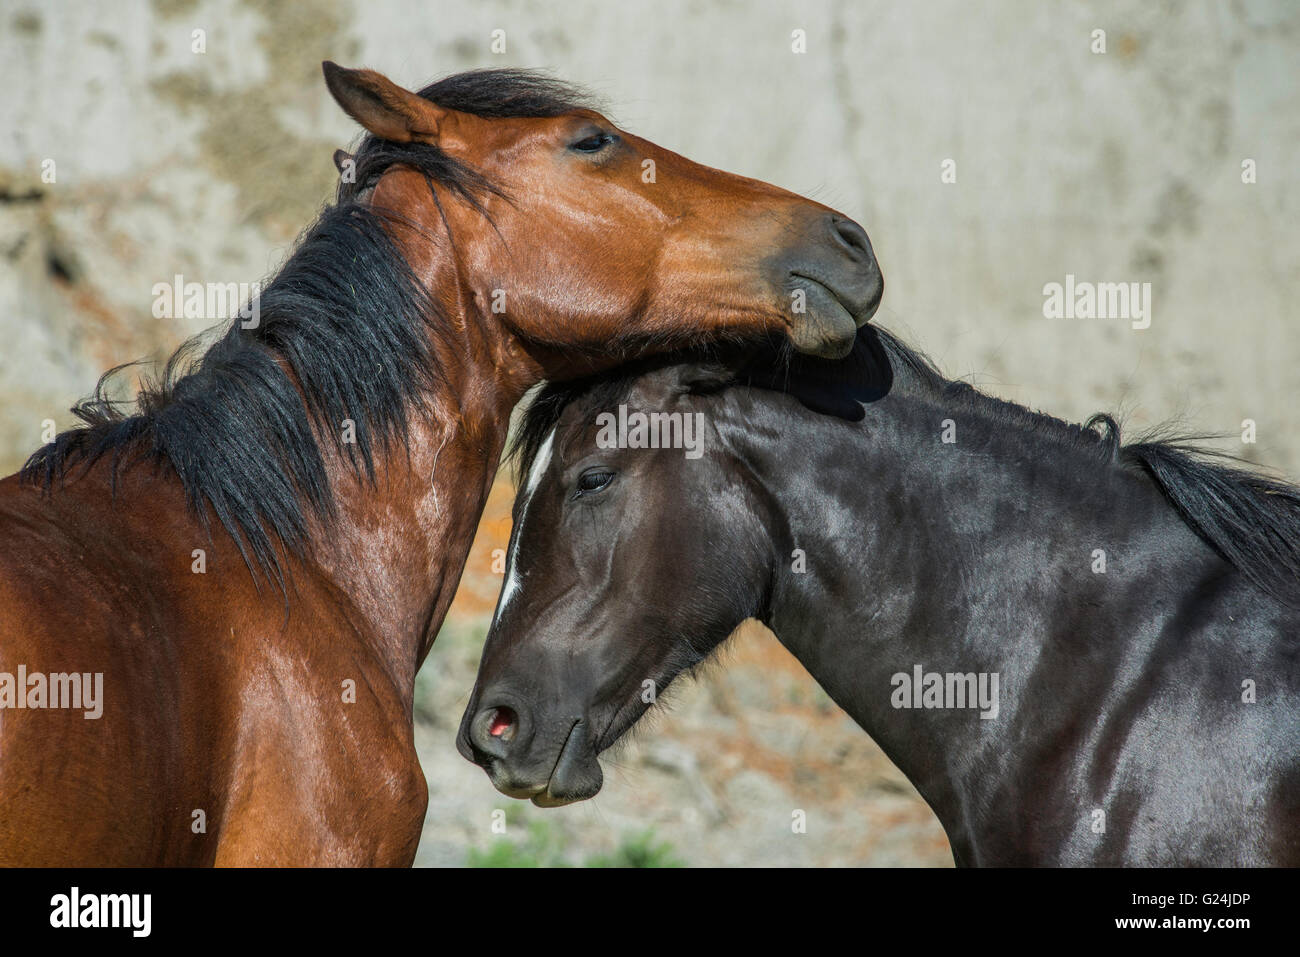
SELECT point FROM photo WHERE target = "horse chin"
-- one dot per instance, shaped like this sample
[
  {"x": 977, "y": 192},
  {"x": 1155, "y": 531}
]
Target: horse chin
[
  {"x": 511, "y": 790},
  {"x": 577, "y": 775},
  {"x": 547, "y": 799},
  {"x": 827, "y": 330},
  {"x": 581, "y": 785}
]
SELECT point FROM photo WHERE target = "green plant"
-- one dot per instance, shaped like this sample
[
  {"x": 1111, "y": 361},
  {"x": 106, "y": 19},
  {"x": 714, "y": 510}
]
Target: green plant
[
  {"x": 542, "y": 846},
  {"x": 638, "y": 850}
]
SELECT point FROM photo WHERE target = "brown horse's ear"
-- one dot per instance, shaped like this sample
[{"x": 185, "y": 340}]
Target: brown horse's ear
[
  {"x": 381, "y": 106},
  {"x": 340, "y": 158}
]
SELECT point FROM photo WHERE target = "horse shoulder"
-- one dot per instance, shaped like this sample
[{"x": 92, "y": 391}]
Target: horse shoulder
[{"x": 326, "y": 771}]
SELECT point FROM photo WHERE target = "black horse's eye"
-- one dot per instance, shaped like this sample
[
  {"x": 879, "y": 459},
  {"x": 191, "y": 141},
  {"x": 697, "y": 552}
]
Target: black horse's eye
[
  {"x": 594, "y": 143},
  {"x": 593, "y": 480}
]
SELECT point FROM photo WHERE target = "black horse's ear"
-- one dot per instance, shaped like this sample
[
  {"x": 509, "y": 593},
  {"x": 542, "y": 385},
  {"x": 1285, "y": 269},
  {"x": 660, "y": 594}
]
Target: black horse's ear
[
  {"x": 343, "y": 161},
  {"x": 704, "y": 377},
  {"x": 838, "y": 387},
  {"x": 667, "y": 378}
]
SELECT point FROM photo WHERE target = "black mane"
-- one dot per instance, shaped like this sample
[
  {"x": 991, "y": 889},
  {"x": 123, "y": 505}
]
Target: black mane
[
  {"x": 1251, "y": 520},
  {"x": 348, "y": 319}
]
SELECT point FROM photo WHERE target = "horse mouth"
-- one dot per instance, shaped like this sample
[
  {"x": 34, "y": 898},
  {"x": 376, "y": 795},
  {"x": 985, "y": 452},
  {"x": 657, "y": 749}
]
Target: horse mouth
[
  {"x": 829, "y": 324},
  {"x": 859, "y": 308},
  {"x": 545, "y": 798},
  {"x": 576, "y": 775}
]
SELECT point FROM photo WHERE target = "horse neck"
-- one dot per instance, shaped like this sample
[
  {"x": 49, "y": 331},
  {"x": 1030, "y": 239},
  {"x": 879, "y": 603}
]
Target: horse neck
[
  {"x": 923, "y": 553},
  {"x": 398, "y": 546}
]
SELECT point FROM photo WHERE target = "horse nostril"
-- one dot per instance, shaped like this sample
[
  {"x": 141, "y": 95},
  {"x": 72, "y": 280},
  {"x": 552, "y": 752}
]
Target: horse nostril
[
  {"x": 852, "y": 237},
  {"x": 503, "y": 724}
]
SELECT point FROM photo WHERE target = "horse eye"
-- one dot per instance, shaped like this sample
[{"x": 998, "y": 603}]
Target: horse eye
[
  {"x": 593, "y": 144},
  {"x": 593, "y": 480}
]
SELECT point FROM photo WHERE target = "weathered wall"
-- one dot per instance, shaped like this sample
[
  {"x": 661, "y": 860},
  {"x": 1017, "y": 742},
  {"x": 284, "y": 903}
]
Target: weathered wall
[
  {"x": 1113, "y": 167},
  {"x": 1122, "y": 166}
]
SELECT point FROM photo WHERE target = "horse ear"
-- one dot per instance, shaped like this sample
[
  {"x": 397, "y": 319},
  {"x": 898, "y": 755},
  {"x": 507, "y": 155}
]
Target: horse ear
[
  {"x": 381, "y": 106},
  {"x": 693, "y": 378},
  {"x": 340, "y": 158},
  {"x": 662, "y": 379}
]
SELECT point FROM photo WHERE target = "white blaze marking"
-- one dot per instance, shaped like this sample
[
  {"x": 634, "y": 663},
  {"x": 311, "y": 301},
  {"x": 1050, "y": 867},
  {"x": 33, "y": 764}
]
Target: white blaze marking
[{"x": 540, "y": 464}]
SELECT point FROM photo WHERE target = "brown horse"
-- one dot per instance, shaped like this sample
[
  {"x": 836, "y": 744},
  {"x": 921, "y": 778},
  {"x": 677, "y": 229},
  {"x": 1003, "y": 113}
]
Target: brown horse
[{"x": 257, "y": 559}]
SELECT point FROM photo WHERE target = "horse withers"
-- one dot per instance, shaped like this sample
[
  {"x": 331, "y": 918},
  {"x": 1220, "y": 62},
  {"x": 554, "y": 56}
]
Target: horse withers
[
  {"x": 1078, "y": 652},
  {"x": 253, "y": 563}
]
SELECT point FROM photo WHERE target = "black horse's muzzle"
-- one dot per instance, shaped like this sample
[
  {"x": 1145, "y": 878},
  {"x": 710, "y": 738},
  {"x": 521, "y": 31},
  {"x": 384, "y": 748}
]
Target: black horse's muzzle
[{"x": 552, "y": 762}]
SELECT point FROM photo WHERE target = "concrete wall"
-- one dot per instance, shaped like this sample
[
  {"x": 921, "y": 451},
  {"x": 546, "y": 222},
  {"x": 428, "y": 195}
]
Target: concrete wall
[
  {"x": 1116, "y": 166},
  {"x": 1122, "y": 166}
]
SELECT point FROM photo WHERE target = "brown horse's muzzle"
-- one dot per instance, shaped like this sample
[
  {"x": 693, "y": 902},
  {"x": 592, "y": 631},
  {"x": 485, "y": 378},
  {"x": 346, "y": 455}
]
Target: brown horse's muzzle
[{"x": 834, "y": 284}]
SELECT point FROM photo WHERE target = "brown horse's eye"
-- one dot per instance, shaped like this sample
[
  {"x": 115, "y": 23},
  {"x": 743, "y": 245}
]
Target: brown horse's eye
[
  {"x": 593, "y": 480},
  {"x": 593, "y": 144}
]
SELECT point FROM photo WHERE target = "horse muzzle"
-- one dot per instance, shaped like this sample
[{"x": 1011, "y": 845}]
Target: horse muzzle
[
  {"x": 523, "y": 761},
  {"x": 834, "y": 285}
]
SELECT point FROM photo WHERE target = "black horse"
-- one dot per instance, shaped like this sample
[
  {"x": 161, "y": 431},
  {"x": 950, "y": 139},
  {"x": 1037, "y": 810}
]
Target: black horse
[{"x": 1079, "y": 652}]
